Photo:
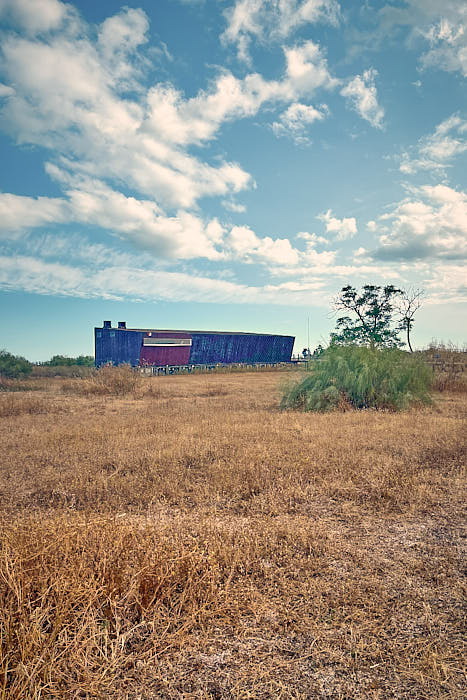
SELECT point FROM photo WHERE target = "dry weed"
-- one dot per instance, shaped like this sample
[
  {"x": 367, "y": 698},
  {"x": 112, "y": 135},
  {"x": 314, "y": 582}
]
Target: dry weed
[
  {"x": 450, "y": 380},
  {"x": 14, "y": 405},
  {"x": 107, "y": 381},
  {"x": 197, "y": 542}
]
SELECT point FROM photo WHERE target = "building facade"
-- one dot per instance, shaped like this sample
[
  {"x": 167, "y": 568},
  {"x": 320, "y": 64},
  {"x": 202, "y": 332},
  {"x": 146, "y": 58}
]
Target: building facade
[{"x": 154, "y": 347}]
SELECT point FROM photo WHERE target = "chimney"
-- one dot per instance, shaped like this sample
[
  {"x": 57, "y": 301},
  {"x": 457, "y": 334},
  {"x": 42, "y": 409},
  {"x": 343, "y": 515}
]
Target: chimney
[
  {"x": 107, "y": 324},
  {"x": 122, "y": 324}
]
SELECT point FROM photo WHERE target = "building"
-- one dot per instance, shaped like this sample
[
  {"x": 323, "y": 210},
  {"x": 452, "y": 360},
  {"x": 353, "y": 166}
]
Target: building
[{"x": 155, "y": 347}]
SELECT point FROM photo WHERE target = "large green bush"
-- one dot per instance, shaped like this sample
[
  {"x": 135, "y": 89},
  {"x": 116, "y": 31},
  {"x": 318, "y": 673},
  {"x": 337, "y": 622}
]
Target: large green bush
[
  {"x": 13, "y": 366},
  {"x": 361, "y": 377}
]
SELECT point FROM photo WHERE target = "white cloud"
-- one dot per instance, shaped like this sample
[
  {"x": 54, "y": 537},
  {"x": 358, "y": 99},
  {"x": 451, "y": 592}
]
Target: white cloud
[
  {"x": 37, "y": 15},
  {"x": 117, "y": 282},
  {"x": 278, "y": 253},
  {"x": 341, "y": 228},
  {"x": 119, "y": 37},
  {"x": 361, "y": 93},
  {"x": 360, "y": 254},
  {"x": 327, "y": 270},
  {"x": 180, "y": 121},
  {"x": 295, "y": 121},
  {"x": 78, "y": 249},
  {"x": 312, "y": 238},
  {"x": 273, "y": 20},
  {"x": 71, "y": 96},
  {"x": 440, "y": 23},
  {"x": 6, "y": 90},
  {"x": 18, "y": 213},
  {"x": 91, "y": 202},
  {"x": 307, "y": 70},
  {"x": 448, "y": 45},
  {"x": 430, "y": 223},
  {"x": 247, "y": 246},
  {"x": 434, "y": 152},
  {"x": 183, "y": 236},
  {"x": 446, "y": 284},
  {"x": 234, "y": 206}
]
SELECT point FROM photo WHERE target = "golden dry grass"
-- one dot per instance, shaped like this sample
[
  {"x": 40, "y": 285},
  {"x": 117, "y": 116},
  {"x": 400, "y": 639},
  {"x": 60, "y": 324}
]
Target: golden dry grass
[{"x": 190, "y": 540}]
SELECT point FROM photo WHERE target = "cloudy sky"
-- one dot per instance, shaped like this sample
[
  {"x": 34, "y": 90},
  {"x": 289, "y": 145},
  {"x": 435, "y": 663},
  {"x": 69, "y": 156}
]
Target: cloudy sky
[{"x": 228, "y": 164}]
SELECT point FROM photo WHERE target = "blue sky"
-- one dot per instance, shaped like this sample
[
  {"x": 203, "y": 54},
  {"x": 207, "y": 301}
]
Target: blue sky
[{"x": 228, "y": 165}]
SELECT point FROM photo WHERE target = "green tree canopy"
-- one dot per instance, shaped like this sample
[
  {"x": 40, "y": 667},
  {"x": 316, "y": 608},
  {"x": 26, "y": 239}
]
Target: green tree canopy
[
  {"x": 64, "y": 361},
  {"x": 371, "y": 321},
  {"x": 14, "y": 366}
]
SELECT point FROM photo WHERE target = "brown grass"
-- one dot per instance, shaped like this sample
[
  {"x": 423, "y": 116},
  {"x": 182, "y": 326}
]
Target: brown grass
[
  {"x": 107, "y": 381},
  {"x": 17, "y": 405},
  {"x": 449, "y": 364},
  {"x": 189, "y": 540},
  {"x": 64, "y": 371}
]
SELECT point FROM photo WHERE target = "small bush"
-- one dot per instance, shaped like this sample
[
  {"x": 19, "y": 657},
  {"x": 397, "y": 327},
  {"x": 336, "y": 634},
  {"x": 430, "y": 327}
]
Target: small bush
[
  {"x": 14, "y": 366},
  {"x": 361, "y": 377}
]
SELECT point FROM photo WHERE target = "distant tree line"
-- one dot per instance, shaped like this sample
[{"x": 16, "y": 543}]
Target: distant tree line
[
  {"x": 64, "y": 361},
  {"x": 17, "y": 367}
]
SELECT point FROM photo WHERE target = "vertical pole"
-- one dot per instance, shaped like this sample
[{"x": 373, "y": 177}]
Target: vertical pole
[{"x": 308, "y": 335}]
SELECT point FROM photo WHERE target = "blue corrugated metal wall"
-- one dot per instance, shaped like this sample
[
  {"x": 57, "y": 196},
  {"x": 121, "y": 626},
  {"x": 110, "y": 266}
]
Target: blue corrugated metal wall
[
  {"x": 226, "y": 348},
  {"x": 117, "y": 346}
]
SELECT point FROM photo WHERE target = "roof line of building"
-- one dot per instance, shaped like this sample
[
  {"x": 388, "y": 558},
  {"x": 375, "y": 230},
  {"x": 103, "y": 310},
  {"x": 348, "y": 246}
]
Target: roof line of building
[{"x": 172, "y": 330}]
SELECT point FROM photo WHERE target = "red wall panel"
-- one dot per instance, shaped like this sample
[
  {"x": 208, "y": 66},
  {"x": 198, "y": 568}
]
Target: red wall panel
[{"x": 165, "y": 355}]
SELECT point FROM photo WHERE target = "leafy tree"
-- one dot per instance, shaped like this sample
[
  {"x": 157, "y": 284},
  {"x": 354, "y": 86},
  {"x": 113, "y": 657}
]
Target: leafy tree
[
  {"x": 14, "y": 366},
  {"x": 371, "y": 321}
]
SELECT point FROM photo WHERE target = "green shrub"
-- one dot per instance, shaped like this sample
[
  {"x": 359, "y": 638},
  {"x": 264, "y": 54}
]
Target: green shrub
[
  {"x": 361, "y": 377},
  {"x": 13, "y": 366}
]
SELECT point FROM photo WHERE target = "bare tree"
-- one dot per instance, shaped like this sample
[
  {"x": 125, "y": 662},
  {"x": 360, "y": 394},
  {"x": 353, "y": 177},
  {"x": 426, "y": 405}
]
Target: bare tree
[{"x": 407, "y": 306}]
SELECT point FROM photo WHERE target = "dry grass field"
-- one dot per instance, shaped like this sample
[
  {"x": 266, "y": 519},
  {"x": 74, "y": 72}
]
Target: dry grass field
[{"x": 191, "y": 540}]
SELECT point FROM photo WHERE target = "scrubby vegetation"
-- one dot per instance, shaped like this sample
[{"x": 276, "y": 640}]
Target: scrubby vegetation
[
  {"x": 361, "y": 377},
  {"x": 190, "y": 540},
  {"x": 63, "y": 366},
  {"x": 65, "y": 361},
  {"x": 449, "y": 365},
  {"x": 13, "y": 366}
]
